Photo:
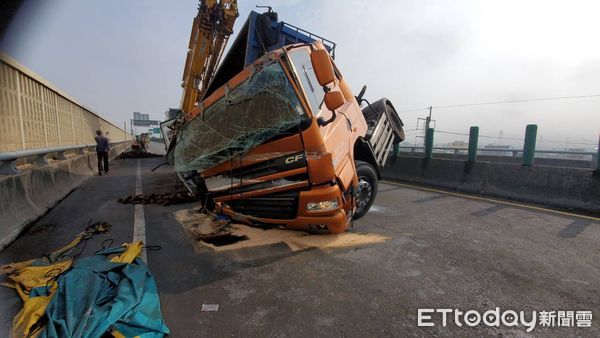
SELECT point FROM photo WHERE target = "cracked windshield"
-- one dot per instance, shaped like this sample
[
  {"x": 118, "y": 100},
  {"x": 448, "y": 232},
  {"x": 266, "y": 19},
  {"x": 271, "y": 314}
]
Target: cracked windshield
[{"x": 260, "y": 108}]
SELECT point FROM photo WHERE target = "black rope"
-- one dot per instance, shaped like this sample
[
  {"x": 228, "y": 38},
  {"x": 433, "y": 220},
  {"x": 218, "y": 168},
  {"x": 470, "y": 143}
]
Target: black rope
[
  {"x": 158, "y": 166},
  {"x": 107, "y": 243}
]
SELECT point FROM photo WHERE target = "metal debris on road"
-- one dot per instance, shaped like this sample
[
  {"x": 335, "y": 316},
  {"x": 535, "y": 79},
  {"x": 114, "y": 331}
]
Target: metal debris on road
[
  {"x": 210, "y": 307},
  {"x": 237, "y": 236},
  {"x": 210, "y": 229},
  {"x": 136, "y": 153},
  {"x": 167, "y": 198}
]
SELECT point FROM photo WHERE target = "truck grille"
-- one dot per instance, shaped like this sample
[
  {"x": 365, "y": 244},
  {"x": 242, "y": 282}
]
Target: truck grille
[
  {"x": 223, "y": 184},
  {"x": 272, "y": 166},
  {"x": 277, "y": 206}
]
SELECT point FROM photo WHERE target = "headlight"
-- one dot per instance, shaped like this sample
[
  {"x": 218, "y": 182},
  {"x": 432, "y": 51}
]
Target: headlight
[{"x": 322, "y": 206}]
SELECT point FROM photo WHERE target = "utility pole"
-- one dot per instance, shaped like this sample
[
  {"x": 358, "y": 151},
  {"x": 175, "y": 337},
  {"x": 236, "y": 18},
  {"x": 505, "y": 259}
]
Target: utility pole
[
  {"x": 427, "y": 125},
  {"x": 597, "y": 172},
  {"x": 428, "y": 120}
]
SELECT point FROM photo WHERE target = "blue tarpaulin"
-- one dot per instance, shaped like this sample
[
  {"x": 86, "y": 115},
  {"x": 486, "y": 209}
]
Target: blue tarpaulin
[
  {"x": 109, "y": 293},
  {"x": 98, "y": 296}
]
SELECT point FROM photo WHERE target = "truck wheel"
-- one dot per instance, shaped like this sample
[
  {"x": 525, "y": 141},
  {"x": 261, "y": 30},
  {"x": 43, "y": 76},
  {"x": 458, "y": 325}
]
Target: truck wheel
[{"x": 366, "y": 190}]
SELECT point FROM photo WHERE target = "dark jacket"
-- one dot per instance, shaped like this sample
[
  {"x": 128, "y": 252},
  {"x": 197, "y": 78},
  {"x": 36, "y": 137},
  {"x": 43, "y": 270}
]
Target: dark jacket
[{"x": 102, "y": 144}]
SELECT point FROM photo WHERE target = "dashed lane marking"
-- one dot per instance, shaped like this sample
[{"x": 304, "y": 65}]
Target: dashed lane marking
[{"x": 139, "y": 220}]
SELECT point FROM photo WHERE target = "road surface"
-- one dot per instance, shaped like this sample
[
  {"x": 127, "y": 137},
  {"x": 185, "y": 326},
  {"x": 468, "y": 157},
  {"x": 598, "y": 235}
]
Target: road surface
[{"x": 435, "y": 250}]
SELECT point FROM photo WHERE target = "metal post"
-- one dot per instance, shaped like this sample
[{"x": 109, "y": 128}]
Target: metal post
[
  {"x": 598, "y": 156},
  {"x": 428, "y": 119},
  {"x": 529, "y": 146},
  {"x": 8, "y": 167},
  {"x": 396, "y": 150},
  {"x": 428, "y": 143},
  {"x": 57, "y": 119},
  {"x": 473, "y": 139},
  {"x": 41, "y": 159},
  {"x": 83, "y": 119},
  {"x": 43, "y": 101},
  {"x": 72, "y": 124},
  {"x": 20, "y": 110}
]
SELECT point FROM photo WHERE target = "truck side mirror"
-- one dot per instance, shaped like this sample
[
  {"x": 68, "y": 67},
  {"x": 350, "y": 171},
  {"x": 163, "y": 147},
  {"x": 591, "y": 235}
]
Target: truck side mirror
[
  {"x": 333, "y": 100},
  {"x": 322, "y": 66}
]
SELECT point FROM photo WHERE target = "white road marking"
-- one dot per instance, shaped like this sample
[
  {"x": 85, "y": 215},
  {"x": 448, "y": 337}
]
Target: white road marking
[{"x": 139, "y": 221}]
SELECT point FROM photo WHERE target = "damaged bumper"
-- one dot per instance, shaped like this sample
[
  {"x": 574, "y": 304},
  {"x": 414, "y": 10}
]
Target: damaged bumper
[{"x": 290, "y": 210}]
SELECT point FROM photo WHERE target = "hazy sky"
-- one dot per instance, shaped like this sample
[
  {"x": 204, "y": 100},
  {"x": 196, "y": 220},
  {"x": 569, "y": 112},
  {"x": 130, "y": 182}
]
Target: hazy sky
[{"x": 119, "y": 56}]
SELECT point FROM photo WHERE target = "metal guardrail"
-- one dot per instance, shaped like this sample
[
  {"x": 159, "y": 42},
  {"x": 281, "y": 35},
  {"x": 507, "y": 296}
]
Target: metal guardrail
[
  {"x": 328, "y": 43},
  {"x": 514, "y": 152},
  {"x": 528, "y": 152},
  {"x": 8, "y": 160}
]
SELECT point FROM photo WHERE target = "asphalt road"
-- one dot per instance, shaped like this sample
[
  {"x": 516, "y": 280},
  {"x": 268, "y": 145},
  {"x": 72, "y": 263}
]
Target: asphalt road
[{"x": 440, "y": 251}]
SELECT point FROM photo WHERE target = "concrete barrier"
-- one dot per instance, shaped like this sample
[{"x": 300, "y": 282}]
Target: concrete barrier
[
  {"x": 27, "y": 196},
  {"x": 565, "y": 188}
]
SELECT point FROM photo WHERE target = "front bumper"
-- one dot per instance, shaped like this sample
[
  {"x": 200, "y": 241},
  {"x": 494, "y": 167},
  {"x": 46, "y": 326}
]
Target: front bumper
[
  {"x": 334, "y": 224},
  {"x": 332, "y": 221}
]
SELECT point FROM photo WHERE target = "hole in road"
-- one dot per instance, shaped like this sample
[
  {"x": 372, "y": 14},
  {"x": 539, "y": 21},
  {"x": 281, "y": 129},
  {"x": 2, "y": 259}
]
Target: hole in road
[{"x": 224, "y": 240}]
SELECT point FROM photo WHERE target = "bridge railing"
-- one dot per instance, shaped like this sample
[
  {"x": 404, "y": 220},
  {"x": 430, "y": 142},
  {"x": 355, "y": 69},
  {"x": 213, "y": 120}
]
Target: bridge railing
[
  {"x": 8, "y": 160},
  {"x": 513, "y": 152},
  {"x": 35, "y": 114},
  {"x": 502, "y": 152},
  {"x": 527, "y": 154}
]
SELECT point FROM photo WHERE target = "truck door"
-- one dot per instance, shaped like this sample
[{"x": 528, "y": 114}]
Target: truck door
[{"x": 336, "y": 135}]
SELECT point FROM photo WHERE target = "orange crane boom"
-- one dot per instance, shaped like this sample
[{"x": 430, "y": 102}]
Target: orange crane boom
[{"x": 210, "y": 31}]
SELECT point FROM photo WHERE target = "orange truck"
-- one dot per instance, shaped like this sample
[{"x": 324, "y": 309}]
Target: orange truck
[{"x": 283, "y": 141}]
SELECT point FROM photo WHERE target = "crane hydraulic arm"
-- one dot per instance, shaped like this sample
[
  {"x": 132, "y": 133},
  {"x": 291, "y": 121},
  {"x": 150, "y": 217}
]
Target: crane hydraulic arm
[{"x": 210, "y": 31}]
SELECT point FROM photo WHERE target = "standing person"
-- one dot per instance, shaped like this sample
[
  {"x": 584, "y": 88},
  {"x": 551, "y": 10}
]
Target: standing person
[{"x": 102, "y": 150}]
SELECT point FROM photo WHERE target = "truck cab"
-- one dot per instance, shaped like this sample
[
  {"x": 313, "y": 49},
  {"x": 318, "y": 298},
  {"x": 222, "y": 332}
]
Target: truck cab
[{"x": 284, "y": 143}]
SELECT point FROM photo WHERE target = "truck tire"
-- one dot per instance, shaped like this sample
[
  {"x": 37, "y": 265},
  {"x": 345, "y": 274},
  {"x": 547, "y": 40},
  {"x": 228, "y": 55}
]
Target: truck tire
[
  {"x": 373, "y": 113},
  {"x": 366, "y": 190}
]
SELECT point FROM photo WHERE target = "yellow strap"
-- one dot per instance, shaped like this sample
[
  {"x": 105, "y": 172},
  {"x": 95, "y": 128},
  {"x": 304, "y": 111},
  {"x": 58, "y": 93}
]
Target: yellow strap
[
  {"x": 133, "y": 250},
  {"x": 33, "y": 309}
]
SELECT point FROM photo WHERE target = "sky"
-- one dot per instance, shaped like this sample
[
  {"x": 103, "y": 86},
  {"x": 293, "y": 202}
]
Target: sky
[{"x": 118, "y": 57}]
